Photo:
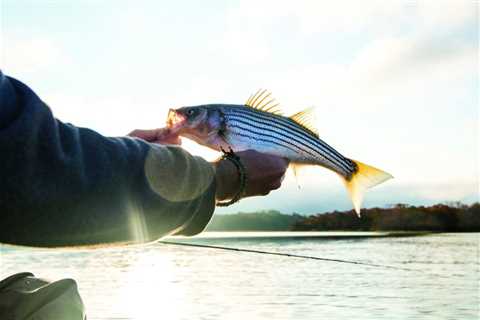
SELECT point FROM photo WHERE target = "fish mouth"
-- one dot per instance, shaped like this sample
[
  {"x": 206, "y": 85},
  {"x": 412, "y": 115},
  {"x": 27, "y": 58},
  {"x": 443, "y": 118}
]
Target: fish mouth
[{"x": 175, "y": 120}]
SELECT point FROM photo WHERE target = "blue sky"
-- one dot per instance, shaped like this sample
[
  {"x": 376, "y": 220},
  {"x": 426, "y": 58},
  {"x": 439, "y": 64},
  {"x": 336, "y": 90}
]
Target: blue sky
[{"x": 395, "y": 83}]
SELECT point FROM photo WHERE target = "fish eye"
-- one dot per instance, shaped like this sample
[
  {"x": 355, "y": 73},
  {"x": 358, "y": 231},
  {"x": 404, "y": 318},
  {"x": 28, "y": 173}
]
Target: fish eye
[{"x": 190, "y": 112}]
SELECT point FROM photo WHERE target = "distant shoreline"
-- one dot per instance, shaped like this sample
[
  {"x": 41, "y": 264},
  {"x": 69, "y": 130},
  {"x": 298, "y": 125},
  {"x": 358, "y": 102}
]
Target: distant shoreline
[
  {"x": 297, "y": 235},
  {"x": 401, "y": 218}
]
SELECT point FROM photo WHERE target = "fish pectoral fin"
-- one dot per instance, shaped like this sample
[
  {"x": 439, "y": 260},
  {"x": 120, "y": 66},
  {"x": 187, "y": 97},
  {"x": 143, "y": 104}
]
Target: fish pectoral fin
[
  {"x": 306, "y": 118},
  {"x": 364, "y": 178},
  {"x": 262, "y": 100}
]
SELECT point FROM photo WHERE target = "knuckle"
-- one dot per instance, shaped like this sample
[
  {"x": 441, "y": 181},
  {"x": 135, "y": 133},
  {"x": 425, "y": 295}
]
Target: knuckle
[{"x": 276, "y": 185}]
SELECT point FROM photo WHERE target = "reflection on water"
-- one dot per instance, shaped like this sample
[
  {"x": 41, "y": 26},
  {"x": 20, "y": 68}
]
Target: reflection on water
[{"x": 170, "y": 282}]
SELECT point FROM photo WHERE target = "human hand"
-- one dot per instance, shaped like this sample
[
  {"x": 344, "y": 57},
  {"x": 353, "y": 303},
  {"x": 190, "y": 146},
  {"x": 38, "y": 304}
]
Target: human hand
[
  {"x": 264, "y": 173},
  {"x": 160, "y": 136}
]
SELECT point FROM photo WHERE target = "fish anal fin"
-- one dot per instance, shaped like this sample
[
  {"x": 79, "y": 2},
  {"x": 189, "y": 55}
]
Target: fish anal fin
[
  {"x": 306, "y": 119},
  {"x": 262, "y": 100}
]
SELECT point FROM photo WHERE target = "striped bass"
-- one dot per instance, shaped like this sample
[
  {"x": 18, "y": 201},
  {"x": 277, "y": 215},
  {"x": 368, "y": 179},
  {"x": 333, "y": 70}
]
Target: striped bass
[{"x": 260, "y": 125}]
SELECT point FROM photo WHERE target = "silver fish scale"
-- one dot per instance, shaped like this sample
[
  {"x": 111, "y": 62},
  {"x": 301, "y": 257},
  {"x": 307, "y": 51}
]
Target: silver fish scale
[
  {"x": 251, "y": 129},
  {"x": 248, "y": 137}
]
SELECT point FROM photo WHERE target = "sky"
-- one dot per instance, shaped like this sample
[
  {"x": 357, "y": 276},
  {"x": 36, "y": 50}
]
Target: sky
[{"x": 395, "y": 84}]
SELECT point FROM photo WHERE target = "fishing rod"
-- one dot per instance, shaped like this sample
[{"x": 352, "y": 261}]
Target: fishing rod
[{"x": 284, "y": 255}]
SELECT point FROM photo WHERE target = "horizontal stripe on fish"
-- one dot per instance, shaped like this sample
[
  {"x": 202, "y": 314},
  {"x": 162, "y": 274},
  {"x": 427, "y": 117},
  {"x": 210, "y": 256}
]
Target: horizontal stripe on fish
[
  {"x": 314, "y": 144},
  {"x": 273, "y": 120},
  {"x": 314, "y": 152},
  {"x": 288, "y": 122},
  {"x": 255, "y": 136},
  {"x": 266, "y": 115},
  {"x": 285, "y": 139}
]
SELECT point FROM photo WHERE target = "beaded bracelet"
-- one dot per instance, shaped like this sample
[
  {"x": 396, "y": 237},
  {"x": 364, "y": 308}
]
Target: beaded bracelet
[{"x": 230, "y": 155}]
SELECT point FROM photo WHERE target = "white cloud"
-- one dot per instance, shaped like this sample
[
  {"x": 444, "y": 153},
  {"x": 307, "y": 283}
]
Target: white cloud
[
  {"x": 388, "y": 60},
  {"x": 346, "y": 16},
  {"x": 110, "y": 115},
  {"x": 27, "y": 55},
  {"x": 438, "y": 15},
  {"x": 355, "y": 16},
  {"x": 393, "y": 57},
  {"x": 317, "y": 16}
]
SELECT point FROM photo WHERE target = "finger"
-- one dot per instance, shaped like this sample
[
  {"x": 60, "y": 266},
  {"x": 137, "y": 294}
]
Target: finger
[
  {"x": 279, "y": 172},
  {"x": 174, "y": 141},
  {"x": 147, "y": 135},
  {"x": 280, "y": 162},
  {"x": 165, "y": 135}
]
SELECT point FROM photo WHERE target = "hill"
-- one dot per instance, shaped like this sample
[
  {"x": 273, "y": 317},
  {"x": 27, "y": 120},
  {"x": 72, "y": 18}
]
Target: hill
[
  {"x": 254, "y": 221},
  {"x": 453, "y": 217},
  {"x": 439, "y": 218}
]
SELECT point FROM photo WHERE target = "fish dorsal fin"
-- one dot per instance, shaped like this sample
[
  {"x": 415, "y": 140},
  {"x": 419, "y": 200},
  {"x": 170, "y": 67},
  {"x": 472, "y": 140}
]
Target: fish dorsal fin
[
  {"x": 263, "y": 101},
  {"x": 306, "y": 118}
]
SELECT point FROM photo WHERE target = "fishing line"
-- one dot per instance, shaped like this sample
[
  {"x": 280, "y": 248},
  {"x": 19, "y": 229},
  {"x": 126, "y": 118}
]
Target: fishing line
[{"x": 285, "y": 255}]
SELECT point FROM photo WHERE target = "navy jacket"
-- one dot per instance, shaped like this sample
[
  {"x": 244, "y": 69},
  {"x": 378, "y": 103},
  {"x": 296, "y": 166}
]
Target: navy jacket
[{"x": 63, "y": 185}]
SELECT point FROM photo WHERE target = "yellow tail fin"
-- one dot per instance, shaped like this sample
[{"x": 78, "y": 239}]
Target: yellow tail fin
[{"x": 365, "y": 178}]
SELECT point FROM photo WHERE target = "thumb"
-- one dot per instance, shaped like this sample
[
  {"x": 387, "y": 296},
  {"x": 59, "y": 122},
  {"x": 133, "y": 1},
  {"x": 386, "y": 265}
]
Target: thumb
[{"x": 167, "y": 136}]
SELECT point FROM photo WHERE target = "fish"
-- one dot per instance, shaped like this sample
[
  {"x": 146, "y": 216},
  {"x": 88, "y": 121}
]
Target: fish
[{"x": 259, "y": 124}]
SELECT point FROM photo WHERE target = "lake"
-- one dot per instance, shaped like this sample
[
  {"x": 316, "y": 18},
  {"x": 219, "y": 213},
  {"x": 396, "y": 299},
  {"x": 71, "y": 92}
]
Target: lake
[{"x": 162, "y": 281}]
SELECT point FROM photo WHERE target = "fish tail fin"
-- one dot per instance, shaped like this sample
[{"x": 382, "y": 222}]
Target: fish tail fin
[{"x": 362, "y": 179}]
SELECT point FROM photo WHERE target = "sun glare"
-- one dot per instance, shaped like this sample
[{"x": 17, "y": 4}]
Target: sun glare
[
  {"x": 150, "y": 292},
  {"x": 198, "y": 150}
]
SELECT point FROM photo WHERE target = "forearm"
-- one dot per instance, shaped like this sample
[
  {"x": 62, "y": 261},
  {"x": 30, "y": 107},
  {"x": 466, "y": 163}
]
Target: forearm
[{"x": 63, "y": 185}]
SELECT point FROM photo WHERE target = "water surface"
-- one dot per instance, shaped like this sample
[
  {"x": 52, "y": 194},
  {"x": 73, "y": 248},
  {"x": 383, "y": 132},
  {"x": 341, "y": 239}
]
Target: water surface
[{"x": 162, "y": 281}]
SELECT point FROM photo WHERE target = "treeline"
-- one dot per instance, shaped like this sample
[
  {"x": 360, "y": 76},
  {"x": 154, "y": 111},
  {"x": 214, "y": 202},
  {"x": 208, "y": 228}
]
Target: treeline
[
  {"x": 453, "y": 217},
  {"x": 256, "y": 221}
]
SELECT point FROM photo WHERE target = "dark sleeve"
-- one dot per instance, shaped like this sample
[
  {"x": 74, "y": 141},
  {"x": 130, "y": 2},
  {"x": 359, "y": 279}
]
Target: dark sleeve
[{"x": 62, "y": 185}]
